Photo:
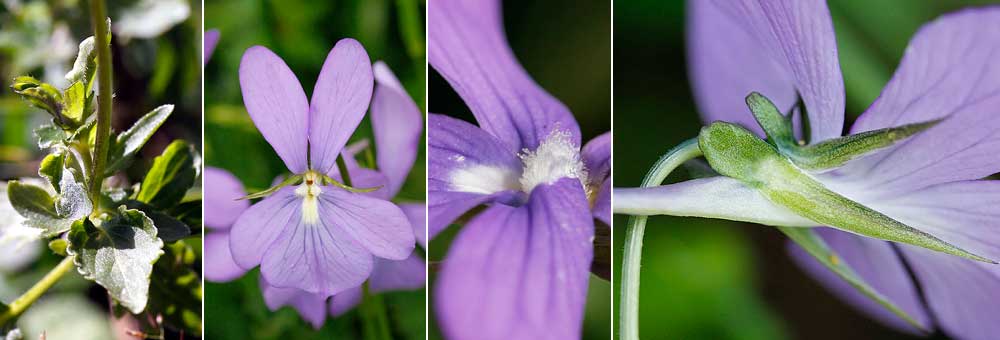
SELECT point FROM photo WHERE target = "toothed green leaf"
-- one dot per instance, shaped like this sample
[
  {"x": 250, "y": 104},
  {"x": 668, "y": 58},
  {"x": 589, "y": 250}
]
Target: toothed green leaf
[
  {"x": 51, "y": 168},
  {"x": 85, "y": 66},
  {"x": 171, "y": 175},
  {"x": 49, "y": 136},
  {"x": 74, "y": 101},
  {"x": 118, "y": 253},
  {"x": 129, "y": 142}
]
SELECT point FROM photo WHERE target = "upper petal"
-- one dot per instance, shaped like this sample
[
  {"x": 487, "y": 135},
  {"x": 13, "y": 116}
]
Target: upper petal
[
  {"x": 396, "y": 123},
  {"x": 312, "y": 307},
  {"x": 339, "y": 101},
  {"x": 257, "y": 228},
  {"x": 798, "y": 36},
  {"x": 377, "y": 225},
  {"x": 961, "y": 293},
  {"x": 520, "y": 272},
  {"x": 467, "y": 46},
  {"x": 879, "y": 265},
  {"x": 951, "y": 70},
  {"x": 410, "y": 273},
  {"x": 222, "y": 191},
  {"x": 277, "y": 104}
]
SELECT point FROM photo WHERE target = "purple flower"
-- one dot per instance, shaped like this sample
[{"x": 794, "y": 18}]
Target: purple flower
[
  {"x": 397, "y": 125},
  {"x": 933, "y": 181},
  {"x": 313, "y": 237},
  {"x": 520, "y": 268}
]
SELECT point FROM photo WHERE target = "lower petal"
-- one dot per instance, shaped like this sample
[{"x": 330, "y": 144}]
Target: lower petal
[
  {"x": 447, "y": 206},
  {"x": 962, "y": 293},
  {"x": 312, "y": 307},
  {"x": 416, "y": 213},
  {"x": 257, "y": 228},
  {"x": 345, "y": 301},
  {"x": 410, "y": 273},
  {"x": 879, "y": 265},
  {"x": 318, "y": 258},
  {"x": 526, "y": 268},
  {"x": 377, "y": 225},
  {"x": 219, "y": 264}
]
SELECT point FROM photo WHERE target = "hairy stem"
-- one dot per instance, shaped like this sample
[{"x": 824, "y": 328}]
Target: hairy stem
[
  {"x": 29, "y": 297},
  {"x": 99, "y": 20},
  {"x": 635, "y": 228}
]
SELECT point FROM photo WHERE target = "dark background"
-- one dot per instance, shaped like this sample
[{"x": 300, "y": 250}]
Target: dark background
[
  {"x": 566, "y": 47},
  {"x": 713, "y": 279}
]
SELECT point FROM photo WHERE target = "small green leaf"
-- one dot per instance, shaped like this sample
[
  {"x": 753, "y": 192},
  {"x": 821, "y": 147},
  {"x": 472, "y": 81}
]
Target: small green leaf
[
  {"x": 58, "y": 246},
  {"x": 118, "y": 253},
  {"x": 74, "y": 101},
  {"x": 815, "y": 246},
  {"x": 49, "y": 136},
  {"x": 42, "y": 96},
  {"x": 51, "y": 168},
  {"x": 169, "y": 229},
  {"x": 85, "y": 66},
  {"x": 130, "y": 141},
  {"x": 172, "y": 173},
  {"x": 36, "y": 206}
]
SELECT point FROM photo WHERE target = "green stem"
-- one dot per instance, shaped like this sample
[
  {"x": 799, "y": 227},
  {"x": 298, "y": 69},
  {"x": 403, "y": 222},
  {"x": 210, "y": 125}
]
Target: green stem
[
  {"x": 629, "y": 311},
  {"x": 373, "y": 312},
  {"x": 342, "y": 166},
  {"x": 28, "y": 298},
  {"x": 99, "y": 20}
]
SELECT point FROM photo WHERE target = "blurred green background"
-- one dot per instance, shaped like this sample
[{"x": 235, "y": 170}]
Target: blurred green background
[
  {"x": 302, "y": 33},
  {"x": 712, "y": 279},
  {"x": 565, "y": 46},
  {"x": 156, "y": 48}
]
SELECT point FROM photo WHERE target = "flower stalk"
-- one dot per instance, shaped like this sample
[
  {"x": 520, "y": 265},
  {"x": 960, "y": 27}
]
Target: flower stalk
[
  {"x": 373, "y": 314},
  {"x": 29, "y": 297},
  {"x": 634, "y": 230}
]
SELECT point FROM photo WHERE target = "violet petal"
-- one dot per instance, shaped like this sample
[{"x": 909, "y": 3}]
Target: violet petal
[
  {"x": 397, "y": 124},
  {"x": 222, "y": 191},
  {"x": 520, "y": 272},
  {"x": 410, "y": 273},
  {"x": 277, "y": 104},
  {"x": 219, "y": 264},
  {"x": 312, "y": 307},
  {"x": 339, "y": 102},
  {"x": 467, "y": 46}
]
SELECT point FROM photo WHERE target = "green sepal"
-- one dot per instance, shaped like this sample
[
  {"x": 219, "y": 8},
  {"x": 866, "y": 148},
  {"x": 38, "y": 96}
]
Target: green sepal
[
  {"x": 172, "y": 174},
  {"x": 327, "y": 180},
  {"x": 833, "y": 153},
  {"x": 58, "y": 246},
  {"x": 736, "y": 152},
  {"x": 118, "y": 253},
  {"x": 294, "y": 179},
  {"x": 125, "y": 145},
  {"x": 812, "y": 243},
  {"x": 828, "y": 154}
]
